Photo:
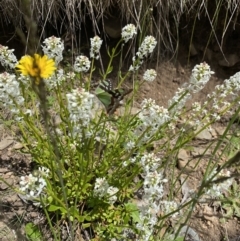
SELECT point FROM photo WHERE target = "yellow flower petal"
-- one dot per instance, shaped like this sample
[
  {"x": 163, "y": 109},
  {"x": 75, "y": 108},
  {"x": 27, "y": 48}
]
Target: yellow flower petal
[{"x": 36, "y": 66}]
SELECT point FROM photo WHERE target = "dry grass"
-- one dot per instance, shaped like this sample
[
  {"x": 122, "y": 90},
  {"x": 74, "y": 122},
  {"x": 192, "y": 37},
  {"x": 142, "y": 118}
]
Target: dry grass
[{"x": 159, "y": 18}]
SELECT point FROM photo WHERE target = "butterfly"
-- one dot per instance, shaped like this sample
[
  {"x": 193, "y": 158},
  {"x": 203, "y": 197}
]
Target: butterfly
[{"x": 109, "y": 96}]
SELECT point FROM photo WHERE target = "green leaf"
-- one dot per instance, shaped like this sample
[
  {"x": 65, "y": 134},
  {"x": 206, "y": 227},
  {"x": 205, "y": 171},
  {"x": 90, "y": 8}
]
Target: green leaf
[
  {"x": 109, "y": 70},
  {"x": 133, "y": 210},
  {"x": 86, "y": 225},
  {"x": 53, "y": 208},
  {"x": 32, "y": 232},
  {"x": 179, "y": 239},
  {"x": 103, "y": 96}
]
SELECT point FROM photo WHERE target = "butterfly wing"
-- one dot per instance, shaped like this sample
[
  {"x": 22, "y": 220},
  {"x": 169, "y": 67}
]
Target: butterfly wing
[{"x": 115, "y": 96}]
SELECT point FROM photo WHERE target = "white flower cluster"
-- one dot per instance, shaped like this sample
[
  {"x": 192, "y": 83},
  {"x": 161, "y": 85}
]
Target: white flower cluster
[
  {"x": 25, "y": 80},
  {"x": 151, "y": 117},
  {"x": 33, "y": 185},
  {"x": 56, "y": 79},
  {"x": 229, "y": 88},
  {"x": 81, "y": 109},
  {"x": 218, "y": 189},
  {"x": 233, "y": 83},
  {"x": 10, "y": 94},
  {"x": 96, "y": 44},
  {"x": 103, "y": 190},
  {"x": 7, "y": 58},
  {"x": 178, "y": 101},
  {"x": 82, "y": 64},
  {"x": 53, "y": 48},
  {"x": 200, "y": 76},
  {"x": 70, "y": 75},
  {"x": 128, "y": 32},
  {"x": 148, "y": 45},
  {"x": 153, "y": 193},
  {"x": 149, "y": 75}
]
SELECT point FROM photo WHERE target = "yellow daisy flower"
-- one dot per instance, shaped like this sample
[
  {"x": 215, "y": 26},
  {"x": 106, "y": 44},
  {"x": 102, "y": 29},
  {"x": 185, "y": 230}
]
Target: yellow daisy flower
[{"x": 37, "y": 67}]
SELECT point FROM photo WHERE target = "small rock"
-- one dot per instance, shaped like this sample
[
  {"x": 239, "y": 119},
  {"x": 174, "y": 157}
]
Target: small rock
[
  {"x": 213, "y": 133},
  {"x": 146, "y": 88},
  {"x": 186, "y": 166},
  {"x": 34, "y": 214},
  {"x": 199, "y": 151},
  {"x": 193, "y": 50},
  {"x": 189, "y": 233},
  {"x": 220, "y": 130},
  {"x": 8, "y": 182},
  {"x": 182, "y": 155},
  {"x": 20, "y": 212},
  {"x": 7, "y": 141},
  {"x": 3, "y": 186},
  {"x": 229, "y": 61},
  {"x": 8, "y": 175},
  {"x": 5, "y": 157},
  {"x": 13, "y": 198},
  {"x": 18, "y": 146},
  {"x": 57, "y": 120},
  {"x": 204, "y": 134},
  {"x": 112, "y": 26},
  {"x": 18, "y": 203},
  {"x": 3, "y": 170}
]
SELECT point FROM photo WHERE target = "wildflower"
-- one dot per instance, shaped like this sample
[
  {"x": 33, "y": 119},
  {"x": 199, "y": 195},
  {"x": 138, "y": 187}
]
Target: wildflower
[
  {"x": 179, "y": 100},
  {"x": 71, "y": 75},
  {"x": 96, "y": 44},
  {"x": 201, "y": 74},
  {"x": 10, "y": 93},
  {"x": 146, "y": 48},
  {"x": 82, "y": 64},
  {"x": 53, "y": 48},
  {"x": 217, "y": 189},
  {"x": 152, "y": 194},
  {"x": 80, "y": 106},
  {"x": 199, "y": 77},
  {"x": 150, "y": 162},
  {"x": 101, "y": 187},
  {"x": 111, "y": 191},
  {"x": 153, "y": 115},
  {"x": 25, "y": 79},
  {"x": 150, "y": 75},
  {"x": 151, "y": 118},
  {"x": 33, "y": 185},
  {"x": 55, "y": 80},
  {"x": 37, "y": 67},
  {"x": 26, "y": 181},
  {"x": 128, "y": 32},
  {"x": 130, "y": 145},
  {"x": 7, "y": 58},
  {"x": 43, "y": 171}
]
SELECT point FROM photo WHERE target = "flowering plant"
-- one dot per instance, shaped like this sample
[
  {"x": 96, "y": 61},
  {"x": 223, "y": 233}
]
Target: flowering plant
[{"x": 93, "y": 163}]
